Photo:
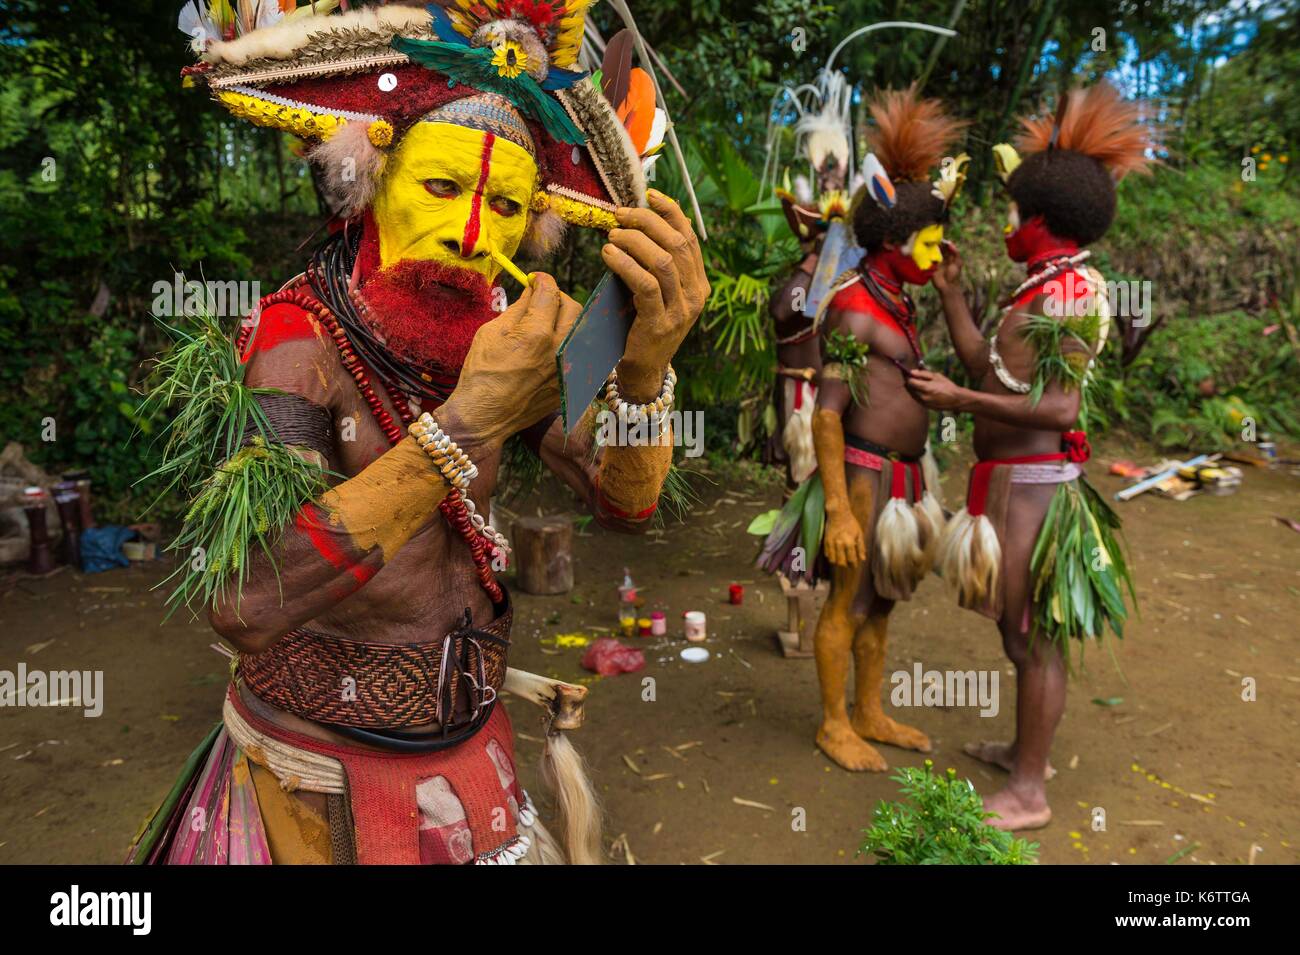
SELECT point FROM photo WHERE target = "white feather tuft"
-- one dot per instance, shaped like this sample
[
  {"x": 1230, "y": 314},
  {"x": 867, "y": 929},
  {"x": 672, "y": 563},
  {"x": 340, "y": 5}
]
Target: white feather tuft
[
  {"x": 351, "y": 166},
  {"x": 544, "y": 235},
  {"x": 797, "y": 437},
  {"x": 282, "y": 40}
]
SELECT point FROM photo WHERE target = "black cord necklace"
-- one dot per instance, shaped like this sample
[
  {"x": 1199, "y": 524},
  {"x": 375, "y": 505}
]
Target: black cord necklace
[
  {"x": 904, "y": 316},
  {"x": 330, "y": 274}
]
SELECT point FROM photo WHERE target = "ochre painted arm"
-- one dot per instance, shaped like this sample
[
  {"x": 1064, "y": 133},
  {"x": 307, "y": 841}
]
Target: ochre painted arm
[
  {"x": 828, "y": 441},
  {"x": 621, "y": 485},
  {"x": 843, "y": 540},
  {"x": 629, "y": 480},
  {"x": 333, "y": 548}
]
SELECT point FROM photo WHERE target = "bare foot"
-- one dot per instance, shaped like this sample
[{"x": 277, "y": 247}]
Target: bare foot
[
  {"x": 879, "y": 727},
  {"x": 1001, "y": 755},
  {"x": 839, "y": 742},
  {"x": 1016, "y": 813}
]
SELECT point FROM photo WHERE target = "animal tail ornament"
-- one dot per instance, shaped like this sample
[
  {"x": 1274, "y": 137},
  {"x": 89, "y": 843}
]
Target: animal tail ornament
[
  {"x": 797, "y": 438},
  {"x": 564, "y": 772},
  {"x": 900, "y": 545},
  {"x": 929, "y": 513},
  {"x": 970, "y": 558}
]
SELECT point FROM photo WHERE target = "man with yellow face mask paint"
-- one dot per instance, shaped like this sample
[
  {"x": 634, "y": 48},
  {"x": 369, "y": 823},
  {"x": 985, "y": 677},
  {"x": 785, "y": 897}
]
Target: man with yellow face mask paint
[
  {"x": 881, "y": 522},
  {"x": 362, "y": 723}
]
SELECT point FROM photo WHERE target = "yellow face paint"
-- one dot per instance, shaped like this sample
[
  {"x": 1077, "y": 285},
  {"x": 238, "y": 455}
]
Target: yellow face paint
[
  {"x": 1013, "y": 220},
  {"x": 927, "y": 247},
  {"x": 452, "y": 195}
]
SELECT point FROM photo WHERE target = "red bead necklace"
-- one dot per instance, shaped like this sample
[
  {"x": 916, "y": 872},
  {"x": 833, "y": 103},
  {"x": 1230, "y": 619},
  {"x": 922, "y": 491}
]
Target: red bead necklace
[{"x": 453, "y": 505}]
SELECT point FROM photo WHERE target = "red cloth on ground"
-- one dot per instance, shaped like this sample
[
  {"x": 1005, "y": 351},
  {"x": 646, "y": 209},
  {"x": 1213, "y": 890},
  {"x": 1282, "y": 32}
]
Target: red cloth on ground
[{"x": 608, "y": 657}]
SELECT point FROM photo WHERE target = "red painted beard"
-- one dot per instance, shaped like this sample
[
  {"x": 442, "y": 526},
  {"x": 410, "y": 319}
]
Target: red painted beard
[
  {"x": 899, "y": 267},
  {"x": 427, "y": 312}
]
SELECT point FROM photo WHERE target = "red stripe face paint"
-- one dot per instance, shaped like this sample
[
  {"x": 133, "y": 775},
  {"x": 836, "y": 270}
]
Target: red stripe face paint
[
  {"x": 472, "y": 225},
  {"x": 313, "y": 526}
]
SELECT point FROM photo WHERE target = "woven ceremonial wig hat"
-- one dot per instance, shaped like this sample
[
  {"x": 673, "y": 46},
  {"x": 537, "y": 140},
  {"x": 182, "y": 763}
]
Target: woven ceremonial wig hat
[
  {"x": 352, "y": 84},
  {"x": 1065, "y": 164}
]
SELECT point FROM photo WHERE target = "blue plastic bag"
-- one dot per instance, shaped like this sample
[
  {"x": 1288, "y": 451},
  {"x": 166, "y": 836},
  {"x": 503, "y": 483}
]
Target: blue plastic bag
[{"x": 101, "y": 548}]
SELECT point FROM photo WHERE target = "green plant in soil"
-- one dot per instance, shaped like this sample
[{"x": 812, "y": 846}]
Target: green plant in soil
[{"x": 940, "y": 821}]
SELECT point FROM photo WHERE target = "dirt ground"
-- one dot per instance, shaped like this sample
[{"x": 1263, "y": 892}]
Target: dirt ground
[{"x": 1183, "y": 767}]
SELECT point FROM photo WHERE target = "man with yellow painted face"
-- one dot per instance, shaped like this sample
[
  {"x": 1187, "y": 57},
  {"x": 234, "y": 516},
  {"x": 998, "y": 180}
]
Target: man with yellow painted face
[
  {"x": 372, "y": 631},
  {"x": 870, "y": 434}
]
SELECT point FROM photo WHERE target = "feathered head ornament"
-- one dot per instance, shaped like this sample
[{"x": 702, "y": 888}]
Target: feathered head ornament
[
  {"x": 820, "y": 115},
  {"x": 1065, "y": 164},
  {"x": 911, "y": 136},
  {"x": 353, "y": 83}
]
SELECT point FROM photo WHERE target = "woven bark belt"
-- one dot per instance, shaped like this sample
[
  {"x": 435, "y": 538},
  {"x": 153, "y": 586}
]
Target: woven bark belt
[{"x": 446, "y": 684}]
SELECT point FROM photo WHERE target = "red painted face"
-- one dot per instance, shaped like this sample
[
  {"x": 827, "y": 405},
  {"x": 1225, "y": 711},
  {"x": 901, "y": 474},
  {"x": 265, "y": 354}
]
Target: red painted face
[
  {"x": 902, "y": 267},
  {"x": 1033, "y": 239}
]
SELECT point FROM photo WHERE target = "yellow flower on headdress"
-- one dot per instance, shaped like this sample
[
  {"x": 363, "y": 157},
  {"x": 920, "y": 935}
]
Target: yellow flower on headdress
[
  {"x": 380, "y": 133},
  {"x": 510, "y": 59}
]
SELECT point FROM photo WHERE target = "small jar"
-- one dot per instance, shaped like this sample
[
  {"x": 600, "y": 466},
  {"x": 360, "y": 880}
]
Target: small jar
[
  {"x": 643, "y": 626},
  {"x": 658, "y": 624},
  {"x": 627, "y": 625},
  {"x": 696, "y": 625},
  {"x": 736, "y": 592}
]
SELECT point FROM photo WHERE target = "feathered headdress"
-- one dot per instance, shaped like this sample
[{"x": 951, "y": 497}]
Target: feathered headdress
[
  {"x": 1097, "y": 123},
  {"x": 1069, "y": 161},
  {"x": 911, "y": 136},
  {"x": 353, "y": 84},
  {"x": 820, "y": 115}
]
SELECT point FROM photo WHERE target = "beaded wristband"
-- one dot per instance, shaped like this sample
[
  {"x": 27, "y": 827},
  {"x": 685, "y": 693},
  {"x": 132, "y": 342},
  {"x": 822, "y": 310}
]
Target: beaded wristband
[
  {"x": 630, "y": 412},
  {"x": 454, "y": 463}
]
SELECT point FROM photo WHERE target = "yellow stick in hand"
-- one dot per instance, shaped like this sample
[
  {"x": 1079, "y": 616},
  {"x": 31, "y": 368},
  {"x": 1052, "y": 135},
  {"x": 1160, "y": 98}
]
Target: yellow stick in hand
[{"x": 509, "y": 266}]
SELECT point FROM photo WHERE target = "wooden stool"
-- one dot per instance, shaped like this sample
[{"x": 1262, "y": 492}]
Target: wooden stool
[
  {"x": 801, "y": 623},
  {"x": 544, "y": 554}
]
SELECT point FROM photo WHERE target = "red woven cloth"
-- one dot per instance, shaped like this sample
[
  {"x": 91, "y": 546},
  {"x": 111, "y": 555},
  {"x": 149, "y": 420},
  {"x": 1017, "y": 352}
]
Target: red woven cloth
[
  {"x": 899, "y": 472},
  {"x": 382, "y": 791},
  {"x": 1077, "y": 452}
]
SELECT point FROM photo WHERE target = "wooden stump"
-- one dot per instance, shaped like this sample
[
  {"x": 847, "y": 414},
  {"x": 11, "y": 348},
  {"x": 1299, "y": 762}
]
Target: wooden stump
[
  {"x": 544, "y": 554},
  {"x": 797, "y": 639}
]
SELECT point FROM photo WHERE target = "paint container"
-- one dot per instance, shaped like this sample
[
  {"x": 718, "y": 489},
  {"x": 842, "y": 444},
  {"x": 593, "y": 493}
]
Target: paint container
[
  {"x": 643, "y": 626},
  {"x": 628, "y": 604},
  {"x": 695, "y": 624},
  {"x": 736, "y": 593},
  {"x": 658, "y": 624},
  {"x": 694, "y": 654}
]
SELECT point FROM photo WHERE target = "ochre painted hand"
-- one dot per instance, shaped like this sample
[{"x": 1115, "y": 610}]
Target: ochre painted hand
[
  {"x": 657, "y": 255},
  {"x": 844, "y": 543},
  {"x": 509, "y": 380}
]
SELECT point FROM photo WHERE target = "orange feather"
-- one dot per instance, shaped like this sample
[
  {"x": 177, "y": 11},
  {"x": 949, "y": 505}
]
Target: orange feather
[
  {"x": 911, "y": 135},
  {"x": 637, "y": 111},
  {"x": 1097, "y": 123}
]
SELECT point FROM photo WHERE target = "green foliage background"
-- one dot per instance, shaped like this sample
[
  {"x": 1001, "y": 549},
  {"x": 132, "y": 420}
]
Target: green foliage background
[{"x": 114, "y": 178}]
